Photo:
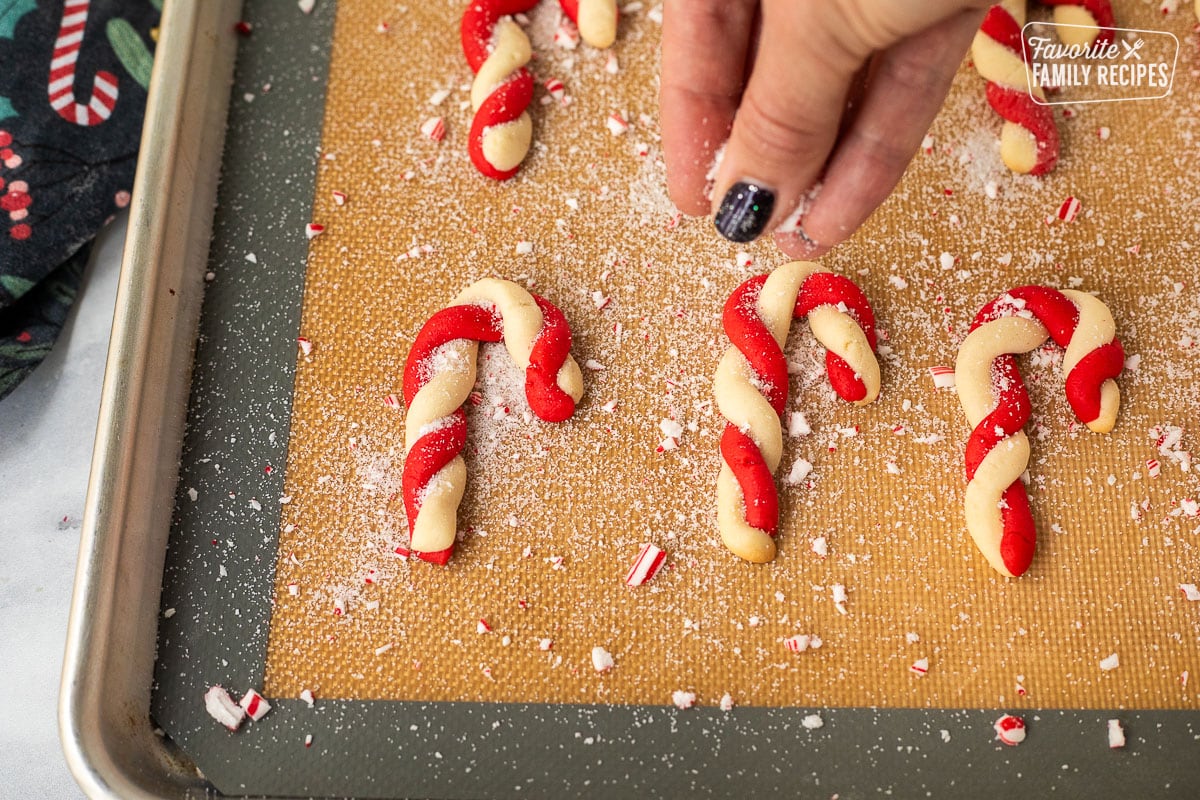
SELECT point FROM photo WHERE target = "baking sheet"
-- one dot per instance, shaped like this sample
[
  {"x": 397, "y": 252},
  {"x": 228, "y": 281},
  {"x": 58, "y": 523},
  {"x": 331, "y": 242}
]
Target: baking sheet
[{"x": 219, "y": 593}]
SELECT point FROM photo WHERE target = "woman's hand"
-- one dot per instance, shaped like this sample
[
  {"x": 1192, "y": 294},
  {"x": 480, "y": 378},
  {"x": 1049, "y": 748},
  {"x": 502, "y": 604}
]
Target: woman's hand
[{"x": 822, "y": 102}]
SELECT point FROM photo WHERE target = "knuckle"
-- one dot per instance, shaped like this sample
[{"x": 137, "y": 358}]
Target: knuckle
[{"x": 777, "y": 133}]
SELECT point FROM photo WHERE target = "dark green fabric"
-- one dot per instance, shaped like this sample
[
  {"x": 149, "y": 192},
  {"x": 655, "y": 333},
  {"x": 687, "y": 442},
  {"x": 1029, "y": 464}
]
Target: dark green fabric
[{"x": 64, "y": 172}]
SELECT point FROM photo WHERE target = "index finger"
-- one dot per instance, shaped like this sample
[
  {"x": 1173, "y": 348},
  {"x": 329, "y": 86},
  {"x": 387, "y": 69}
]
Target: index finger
[{"x": 705, "y": 44}]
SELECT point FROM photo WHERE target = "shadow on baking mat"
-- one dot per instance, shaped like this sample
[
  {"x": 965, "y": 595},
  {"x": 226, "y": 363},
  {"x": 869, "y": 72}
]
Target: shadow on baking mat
[{"x": 226, "y": 619}]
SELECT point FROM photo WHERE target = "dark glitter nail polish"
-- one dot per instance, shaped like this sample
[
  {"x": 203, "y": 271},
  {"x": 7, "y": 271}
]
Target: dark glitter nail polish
[{"x": 744, "y": 212}]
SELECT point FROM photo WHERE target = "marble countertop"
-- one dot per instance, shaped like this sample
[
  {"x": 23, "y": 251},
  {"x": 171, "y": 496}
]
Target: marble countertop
[{"x": 47, "y": 427}]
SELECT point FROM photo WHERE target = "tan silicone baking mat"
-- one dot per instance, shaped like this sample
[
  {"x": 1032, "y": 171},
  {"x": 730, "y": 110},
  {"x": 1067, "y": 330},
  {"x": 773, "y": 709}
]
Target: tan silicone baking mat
[{"x": 555, "y": 514}]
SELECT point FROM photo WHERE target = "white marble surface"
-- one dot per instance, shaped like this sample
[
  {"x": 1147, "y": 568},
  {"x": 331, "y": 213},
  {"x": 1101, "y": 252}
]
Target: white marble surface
[{"x": 47, "y": 427}]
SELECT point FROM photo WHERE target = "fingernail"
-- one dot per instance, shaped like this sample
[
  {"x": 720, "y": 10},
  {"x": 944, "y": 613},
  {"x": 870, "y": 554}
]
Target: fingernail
[{"x": 744, "y": 212}]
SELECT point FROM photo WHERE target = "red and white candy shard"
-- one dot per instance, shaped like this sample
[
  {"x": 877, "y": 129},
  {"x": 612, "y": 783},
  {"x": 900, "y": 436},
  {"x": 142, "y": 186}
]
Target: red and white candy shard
[
  {"x": 647, "y": 564},
  {"x": 434, "y": 128},
  {"x": 683, "y": 700},
  {"x": 556, "y": 89},
  {"x": 943, "y": 377},
  {"x": 1069, "y": 209},
  {"x": 1010, "y": 730},
  {"x": 1116, "y": 734},
  {"x": 602, "y": 660},
  {"x": 1190, "y": 591},
  {"x": 751, "y": 386},
  {"x": 438, "y": 378},
  {"x": 920, "y": 667},
  {"x": 220, "y": 706},
  {"x": 802, "y": 641},
  {"x": 312, "y": 230},
  {"x": 255, "y": 705},
  {"x": 996, "y": 404}
]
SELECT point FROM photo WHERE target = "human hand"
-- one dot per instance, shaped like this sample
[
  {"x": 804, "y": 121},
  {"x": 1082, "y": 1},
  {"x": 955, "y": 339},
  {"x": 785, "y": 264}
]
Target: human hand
[{"x": 823, "y": 104}]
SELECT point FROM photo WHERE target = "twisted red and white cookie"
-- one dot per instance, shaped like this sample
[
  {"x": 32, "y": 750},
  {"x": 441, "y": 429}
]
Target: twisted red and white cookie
[
  {"x": 497, "y": 50},
  {"x": 438, "y": 378},
  {"x": 1029, "y": 142},
  {"x": 994, "y": 399},
  {"x": 751, "y": 386}
]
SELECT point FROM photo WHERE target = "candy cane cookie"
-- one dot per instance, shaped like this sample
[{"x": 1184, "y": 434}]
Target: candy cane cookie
[
  {"x": 438, "y": 377},
  {"x": 497, "y": 51},
  {"x": 751, "y": 386},
  {"x": 596, "y": 20},
  {"x": 1029, "y": 138},
  {"x": 996, "y": 404}
]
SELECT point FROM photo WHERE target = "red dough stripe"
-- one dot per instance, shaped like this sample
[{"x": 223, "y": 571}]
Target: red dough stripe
[
  {"x": 479, "y": 21},
  {"x": 826, "y": 288},
  {"x": 1017, "y": 106},
  {"x": 506, "y": 103},
  {"x": 549, "y": 353},
  {"x": 1083, "y": 384},
  {"x": 456, "y": 322},
  {"x": 754, "y": 477},
  {"x": 749, "y": 335},
  {"x": 998, "y": 24},
  {"x": 1019, "y": 541}
]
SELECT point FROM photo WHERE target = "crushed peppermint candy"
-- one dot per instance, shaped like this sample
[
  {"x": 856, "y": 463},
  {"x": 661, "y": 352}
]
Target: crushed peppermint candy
[
  {"x": 919, "y": 667},
  {"x": 482, "y": 626},
  {"x": 647, "y": 564},
  {"x": 610, "y": 64},
  {"x": 683, "y": 700},
  {"x": 802, "y": 642},
  {"x": 726, "y": 703},
  {"x": 1010, "y": 730},
  {"x": 1116, "y": 734},
  {"x": 820, "y": 546},
  {"x": 524, "y": 248},
  {"x": 438, "y": 97},
  {"x": 1110, "y": 662},
  {"x": 602, "y": 660},
  {"x": 800, "y": 470},
  {"x": 545, "y": 644},
  {"x": 220, "y": 706},
  {"x": 1153, "y": 467},
  {"x": 306, "y": 6},
  {"x": 798, "y": 424},
  {"x": 312, "y": 230},
  {"x": 556, "y": 89},
  {"x": 567, "y": 35},
  {"x": 943, "y": 377},
  {"x": 255, "y": 705},
  {"x": 434, "y": 128},
  {"x": 839, "y": 597},
  {"x": 812, "y": 722},
  {"x": 1190, "y": 591},
  {"x": 339, "y": 198},
  {"x": 1069, "y": 209},
  {"x": 616, "y": 124},
  {"x": 307, "y": 696}
]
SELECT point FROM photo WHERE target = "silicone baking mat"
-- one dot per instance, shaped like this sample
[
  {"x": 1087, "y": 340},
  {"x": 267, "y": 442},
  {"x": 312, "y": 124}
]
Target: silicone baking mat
[
  {"x": 555, "y": 514},
  {"x": 886, "y": 488}
]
